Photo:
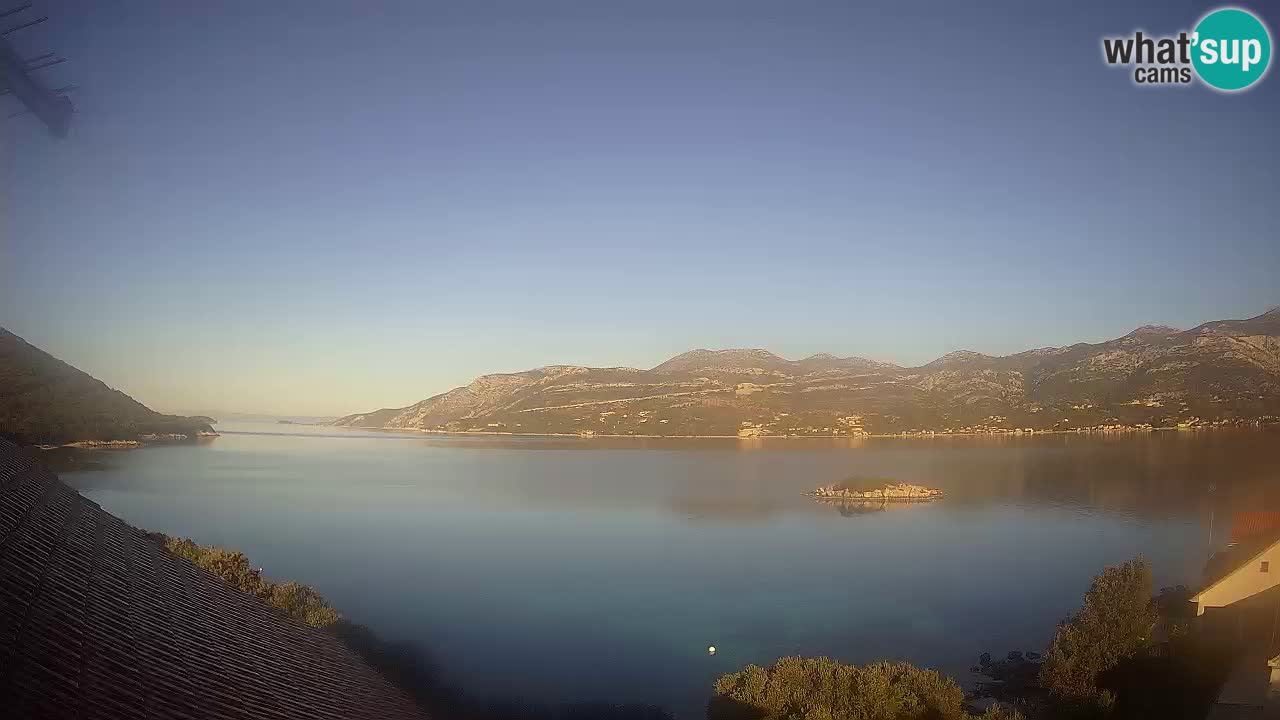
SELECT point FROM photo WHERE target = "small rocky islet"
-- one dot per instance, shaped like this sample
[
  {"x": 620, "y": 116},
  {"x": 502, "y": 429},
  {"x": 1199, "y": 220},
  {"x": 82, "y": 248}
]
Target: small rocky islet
[{"x": 888, "y": 492}]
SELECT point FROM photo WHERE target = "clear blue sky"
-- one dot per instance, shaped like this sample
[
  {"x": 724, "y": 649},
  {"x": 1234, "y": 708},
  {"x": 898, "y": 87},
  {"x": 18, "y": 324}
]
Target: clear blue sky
[{"x": 299, "y": 207}]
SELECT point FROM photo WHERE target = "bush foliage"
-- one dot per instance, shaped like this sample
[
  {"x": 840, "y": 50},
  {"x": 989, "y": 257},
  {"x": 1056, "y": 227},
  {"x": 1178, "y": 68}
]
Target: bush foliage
[
  {"x": 1115, "y": 623},
  {"x": 297, "y": 601},
  {"x": 824, "y": 689},
  {"x": 1103, "y": 661}
]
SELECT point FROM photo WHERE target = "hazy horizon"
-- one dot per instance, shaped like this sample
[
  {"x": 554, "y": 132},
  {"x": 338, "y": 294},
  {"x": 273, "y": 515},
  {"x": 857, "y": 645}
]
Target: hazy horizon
[{"x": 300, "y": 209}]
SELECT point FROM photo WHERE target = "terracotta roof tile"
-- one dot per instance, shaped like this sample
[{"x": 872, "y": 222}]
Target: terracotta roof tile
[
  {"x": 1251, "y": 523},
  {"x": 98, "y": 621}
]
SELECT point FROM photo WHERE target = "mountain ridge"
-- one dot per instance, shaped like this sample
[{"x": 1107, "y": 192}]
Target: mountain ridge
[
  {"x": 1225, "y": 371},
  {"x": 45, "y": 400}
]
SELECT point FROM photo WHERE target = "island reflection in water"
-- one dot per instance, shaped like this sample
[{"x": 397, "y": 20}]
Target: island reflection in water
[
  {"x": 566, "y": 569},
  {"x": 854, "y": 508}
]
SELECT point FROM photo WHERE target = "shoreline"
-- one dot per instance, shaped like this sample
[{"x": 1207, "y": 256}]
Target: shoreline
[
  {"x": 141, "y": 442},
  {"x": 922, "y": 435},
  {"x": 928, "y": 434}
]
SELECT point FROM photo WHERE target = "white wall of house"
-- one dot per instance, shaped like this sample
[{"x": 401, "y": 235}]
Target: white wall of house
[{"x": 1258, "y": 575}]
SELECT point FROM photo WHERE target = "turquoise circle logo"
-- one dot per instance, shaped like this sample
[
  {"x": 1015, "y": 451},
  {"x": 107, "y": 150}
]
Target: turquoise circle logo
[{"x": 1232, "y": 49}]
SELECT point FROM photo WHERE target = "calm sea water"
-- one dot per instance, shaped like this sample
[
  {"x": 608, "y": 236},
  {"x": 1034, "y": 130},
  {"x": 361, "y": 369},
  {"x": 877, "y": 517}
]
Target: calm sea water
[{"x": 600, "y": 570}]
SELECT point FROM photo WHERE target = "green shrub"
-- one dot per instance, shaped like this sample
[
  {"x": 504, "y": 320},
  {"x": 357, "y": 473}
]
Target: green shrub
[
  {"x": 824, "y": 689},
  {"x": 1115, "y": 623},
  {"x": 299, "y": 602}
]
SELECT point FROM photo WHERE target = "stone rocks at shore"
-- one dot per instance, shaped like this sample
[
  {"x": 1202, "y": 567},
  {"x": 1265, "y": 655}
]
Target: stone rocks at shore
[{"x": 890, "y": 492}]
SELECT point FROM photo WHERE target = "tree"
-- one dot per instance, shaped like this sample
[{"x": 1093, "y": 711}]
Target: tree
[
  {"x": 1115, "y": 623},
  {"x": 824, "y": 689}
]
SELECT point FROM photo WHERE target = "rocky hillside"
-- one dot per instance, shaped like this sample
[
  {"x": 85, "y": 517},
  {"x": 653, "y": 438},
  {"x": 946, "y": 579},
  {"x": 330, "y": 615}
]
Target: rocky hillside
[
  {"x": 44, "y": 400},
  {"x": 1221, "y": 372}
]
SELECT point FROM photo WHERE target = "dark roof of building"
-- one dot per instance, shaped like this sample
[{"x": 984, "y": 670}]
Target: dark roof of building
[
  {"x": 99, "y": 621},
  {"x": 1234, "y": 556}
]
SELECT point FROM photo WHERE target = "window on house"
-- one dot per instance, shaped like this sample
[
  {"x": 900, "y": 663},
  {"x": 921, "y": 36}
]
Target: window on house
[{"x": 1266, "y": 566}]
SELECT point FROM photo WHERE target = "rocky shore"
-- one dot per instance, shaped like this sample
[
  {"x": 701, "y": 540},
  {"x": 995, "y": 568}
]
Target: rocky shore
[
  {"x": 890, "y": 492},
  {"x": 142, "y": 439}
]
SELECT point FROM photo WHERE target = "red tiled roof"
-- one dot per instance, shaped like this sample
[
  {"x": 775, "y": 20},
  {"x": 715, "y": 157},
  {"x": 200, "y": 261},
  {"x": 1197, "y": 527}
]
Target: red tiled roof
[
  {"x": 98, "y": 621},
  {"x": 1245, "y": 525}
]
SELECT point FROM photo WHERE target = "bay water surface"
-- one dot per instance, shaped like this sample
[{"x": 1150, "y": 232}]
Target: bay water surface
[{"x": 579, "y": 570}]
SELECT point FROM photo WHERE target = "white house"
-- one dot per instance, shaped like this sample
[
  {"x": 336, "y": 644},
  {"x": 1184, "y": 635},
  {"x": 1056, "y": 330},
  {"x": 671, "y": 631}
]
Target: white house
[
  {"x": 1242, "y": 572},
  {"x": 1240, "y": 607}
]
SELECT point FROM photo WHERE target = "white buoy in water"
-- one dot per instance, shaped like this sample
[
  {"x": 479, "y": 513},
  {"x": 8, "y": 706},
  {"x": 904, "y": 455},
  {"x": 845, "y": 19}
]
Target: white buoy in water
[{"x": 711, "y": 649}]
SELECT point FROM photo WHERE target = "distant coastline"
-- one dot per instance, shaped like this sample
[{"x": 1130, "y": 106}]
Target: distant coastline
[
  {"x": 926, "y": 434},
  {"x": 142, "y": 441},
  {"x": 1222, "y": 372},
  {"x": 1247, "y": 425}
]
